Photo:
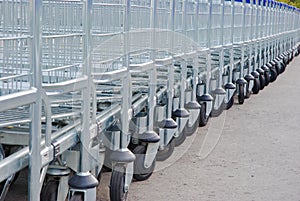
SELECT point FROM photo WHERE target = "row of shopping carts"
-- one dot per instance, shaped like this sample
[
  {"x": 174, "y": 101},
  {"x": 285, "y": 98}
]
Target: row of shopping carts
[{"x": 87, "y": 85}]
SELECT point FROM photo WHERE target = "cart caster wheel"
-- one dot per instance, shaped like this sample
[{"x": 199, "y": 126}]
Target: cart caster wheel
[
  {"x": 285, "y": 60},
  {"x": 216, "y": 112},
  {"x": 228, "y": 105},
  {"x": 190, "y": 130},
  {"x": 249, "y": 78},
  {"x": 203, "y": 117},
  {"x": 241, "y": 95},
  {"x": 261, "y": 76},
  {"x": 267, "y": 77},
  {"x": 77, "y": 197},
  {"x": 277, "y": 67},
  {"x": 273, "y": 75},
  {"x": 140, "y": 172},
  {"x": 282, "y": 67},
  {"x": 248, "y": 93},
  {"x": 266, "y": 74},
  {"x": 262, "y": 82},
  {"x": 291, "y": 56},
  {"x": 49, "y": 191},
  {"x": 117, "y": 183},
  {"x": 256, "y": 86},
  {"x": 282, "y": 57},
  {"x": 168, "y": 150},
  {"x": 180, "y": 139}
]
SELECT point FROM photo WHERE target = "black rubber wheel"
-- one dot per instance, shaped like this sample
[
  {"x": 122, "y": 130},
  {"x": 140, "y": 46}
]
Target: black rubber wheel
[
  {"x": 291, "y": 56},
  {"x": 267, "y": 78},
  {"x": 190, "y": 130},
  {"x": 49, "y": 191},
  {"x": 248, "y": 92},
  {"x": 262, "y": 82},
  {"x": 282, "y": 67},
  {"x": 241, "y": 95},
  {"x": 168, "y": 150},
  {"x": 285, "y": 59},
  {"x": 228, "y": 105},
  {"x": 140, "y": 172},
  {"x": 274, "y": 74},
  {"x": 180, "y": 139},
  {"x": 117, "y": 183},
  {"x": 256, "y": 86},
  {"x": 216, "y": 112},
  {"x": 203, "y": 117},
  {"x": 77, "y": 197},
  {"x": 277, "y": 67}
]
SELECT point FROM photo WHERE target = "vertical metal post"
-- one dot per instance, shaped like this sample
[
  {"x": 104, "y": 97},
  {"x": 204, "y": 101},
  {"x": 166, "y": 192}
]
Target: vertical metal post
[
  {"x": 250, "y": 68},
  {"x": 271, "y": 41},
  {"x": 266, "y": 36},
  {"x": 293, "y": 27},
  {"x": 196, "y": 32},
  {"x": 183, "y": 63},
  {"x": 85, "y": 134},
  {"x": 209, "y": 24},
  {"x": 284, "y": 29},
  {"x": 35, "y": 161},
  {"x": 183, "y": 83},
  {"x": 282, "y": 15},
  {"x": 232, "y": 41},
  {"x": 278, "y": 28},
  {"x": 256, "y": 35},
  {"x": 208, "y": 56},
  {"x": 261, "y": 33},
  {"x": 152, "y": 84},
  {"x": 266, "y": 43},
  {"x": 243, "y": 39},
  {"x": 275, "y": 31},
  {"x": 281, "y": 18},
  {"x": 84, "y": 180},
  {"x": 196, "y": 62},
  {"x": 126, "y": 92},
  {"x": 289, "y": 27},
  {"x": 286, "y": 24},
  {"x": 221, "y": 56},
  {"x": 170, "y": 67}
]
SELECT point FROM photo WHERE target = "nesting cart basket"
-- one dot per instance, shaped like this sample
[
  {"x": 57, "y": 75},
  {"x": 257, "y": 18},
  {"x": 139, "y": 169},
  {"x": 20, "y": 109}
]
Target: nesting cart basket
[{"x": 87, "y": 85}]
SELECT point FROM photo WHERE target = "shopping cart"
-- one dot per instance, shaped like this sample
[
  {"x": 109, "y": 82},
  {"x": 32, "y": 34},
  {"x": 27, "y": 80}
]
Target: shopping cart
[
  {"x": 117, "y": 84},
  {"x": 17, "y": 82}
]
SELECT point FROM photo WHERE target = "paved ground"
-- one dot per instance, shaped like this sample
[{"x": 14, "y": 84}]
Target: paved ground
[{"x": 251, "y": 152}]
